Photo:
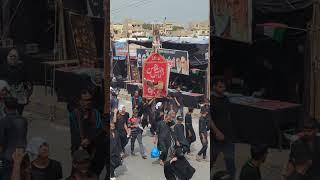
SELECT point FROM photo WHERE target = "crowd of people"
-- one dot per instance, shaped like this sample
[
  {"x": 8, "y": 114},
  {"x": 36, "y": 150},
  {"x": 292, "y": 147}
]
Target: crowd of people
[
  {"x": 22, "y": 159},
  {"x": 304, "y": 158},
  {"x": 29, "y": 159},
  {"x": 171, "y": 130}
]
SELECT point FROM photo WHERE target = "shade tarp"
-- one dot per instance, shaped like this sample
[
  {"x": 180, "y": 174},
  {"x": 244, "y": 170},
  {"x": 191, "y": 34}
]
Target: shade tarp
[
  {"x": 281, "y": 6},
  {"x": 197, "y": 52}
]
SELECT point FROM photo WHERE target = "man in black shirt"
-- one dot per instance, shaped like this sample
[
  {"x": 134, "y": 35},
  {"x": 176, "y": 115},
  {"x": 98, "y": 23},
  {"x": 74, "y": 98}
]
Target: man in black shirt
[
  {"x": 309, "y": 139},
  {"x": 163, "y": 138},
  {"x": 221, "y": 126},
  {"x": 179, "y": 100},
  {"x": 86, "y": 129},
  {"x": 203, "y": 133},
  {"x": 14, "y": 72},
  {"x": 42, "y": 167},
  {"x": 149, "y": 114},
  {"x": 251, "y": 170},
  {"x": 13, "y": 134},
  {"x": 81, "y": 165},
  {"x": 301, "y": 160},
  {"x": 122, "y": 126}
]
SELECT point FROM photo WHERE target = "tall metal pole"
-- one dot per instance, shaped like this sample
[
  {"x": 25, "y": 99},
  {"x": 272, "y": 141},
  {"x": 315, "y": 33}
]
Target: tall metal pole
[
  {"x": 128, "y": 64},
  {"x": 315, "y": 45},
  {"x": 63, "y": 31},
  {"x": 107, "y": 57},
  {"x": 55, "y": 29},
  {"x": 209, "y": 51}
]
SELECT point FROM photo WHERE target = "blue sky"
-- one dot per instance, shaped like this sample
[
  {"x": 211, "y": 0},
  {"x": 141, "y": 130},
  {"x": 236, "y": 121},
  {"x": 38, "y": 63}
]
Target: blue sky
[{"x": 179, "y": 11}]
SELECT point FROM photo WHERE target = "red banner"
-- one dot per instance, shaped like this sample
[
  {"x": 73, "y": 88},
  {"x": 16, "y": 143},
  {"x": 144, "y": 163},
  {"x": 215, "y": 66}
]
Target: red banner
[{"x": 155, "y": 76}]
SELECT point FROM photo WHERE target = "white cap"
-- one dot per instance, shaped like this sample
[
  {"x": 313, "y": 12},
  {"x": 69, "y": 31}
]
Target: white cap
[
  {"x": 4, "y": 84},
  {"x": 33, "y": 147},
  {"x": 120, "y": 107},
  {"x": 158, "y": 105}
]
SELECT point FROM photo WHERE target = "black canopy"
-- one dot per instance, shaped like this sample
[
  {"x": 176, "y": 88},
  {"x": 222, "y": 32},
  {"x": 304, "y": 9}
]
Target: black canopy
[
  {"x": 196, "y": 51},
  {"x": 281, "y": 6}
]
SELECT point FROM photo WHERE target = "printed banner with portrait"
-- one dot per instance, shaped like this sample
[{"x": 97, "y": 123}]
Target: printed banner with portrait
[
  {"x": 155, "y": 76},
  {"x": 233, "y": 19},
  {"x": 135, "y": 74},
  {"x": 177, "y": 60},
  {"x": 84, "y": 40},
  {"x": 121, "y": 50}
]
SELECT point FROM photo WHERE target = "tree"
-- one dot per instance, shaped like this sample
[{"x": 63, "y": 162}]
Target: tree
[
  {"x": 147, "y": 26},
  {"x": 176, "y": 28}
]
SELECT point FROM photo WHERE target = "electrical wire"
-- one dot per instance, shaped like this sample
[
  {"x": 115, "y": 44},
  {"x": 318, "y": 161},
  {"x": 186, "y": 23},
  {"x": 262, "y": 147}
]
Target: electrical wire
[
  {"x": 136, "y": 4},
  {"x": 128, "y": 4},
  {"x": 11, "y": 19}
]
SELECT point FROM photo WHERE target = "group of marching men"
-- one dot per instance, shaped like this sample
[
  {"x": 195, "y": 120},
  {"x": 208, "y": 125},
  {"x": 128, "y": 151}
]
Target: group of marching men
[{"x": 171, "y": 130}]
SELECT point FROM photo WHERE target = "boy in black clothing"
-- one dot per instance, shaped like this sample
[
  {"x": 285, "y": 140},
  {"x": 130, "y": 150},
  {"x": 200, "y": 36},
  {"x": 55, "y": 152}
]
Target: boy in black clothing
[
  {"x": 251, "y": 170},
  {"x": 221, "y": 128},
  {"x": 190, "y": 134},
  {"x": 181, "y": 140},
  {"x": 203, "y": 133}
]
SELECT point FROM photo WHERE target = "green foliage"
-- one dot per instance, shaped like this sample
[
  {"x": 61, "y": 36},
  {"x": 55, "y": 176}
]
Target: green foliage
[
  {"x": 176, "y": 28},
  {"x": 147, "y": 26}
]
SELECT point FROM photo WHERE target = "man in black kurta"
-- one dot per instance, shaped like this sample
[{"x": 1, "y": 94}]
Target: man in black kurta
[{"x": 163, "y": 138}]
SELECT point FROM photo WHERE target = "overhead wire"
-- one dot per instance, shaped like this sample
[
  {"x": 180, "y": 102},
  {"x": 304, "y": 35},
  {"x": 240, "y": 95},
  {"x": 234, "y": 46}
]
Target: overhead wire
[{"x": 133, "y": 5}]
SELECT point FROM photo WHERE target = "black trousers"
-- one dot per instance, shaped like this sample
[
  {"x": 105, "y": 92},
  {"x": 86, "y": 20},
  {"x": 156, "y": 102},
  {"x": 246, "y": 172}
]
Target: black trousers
[
  {"x": 124, "y": 141},
  {"x": 144, "y": 122},
  {"x": 168, "y": 172},
  {"x": 204, "y": 148},
  {"x": 20, "y": 109},
  {"x": 189, "y": 147},
  {"x": 211, "y": 151},
  {"x": 153, "y": 126},
  {"x": 112, "y": 172},
  {"x": 164, "y": 146},
  {"x": 99, "y": 160}
]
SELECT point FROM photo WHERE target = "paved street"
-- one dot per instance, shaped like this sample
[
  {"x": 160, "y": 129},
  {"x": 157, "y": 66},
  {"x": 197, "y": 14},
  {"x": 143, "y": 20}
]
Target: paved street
[{"x": 58, "y": 136}]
